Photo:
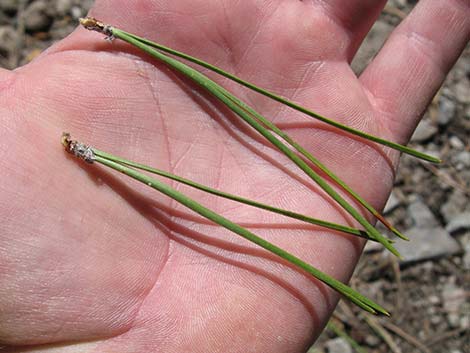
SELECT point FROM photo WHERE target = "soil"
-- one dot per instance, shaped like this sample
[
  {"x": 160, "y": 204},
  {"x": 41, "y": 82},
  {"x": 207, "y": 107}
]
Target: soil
[{"x": 428, "y": 295}]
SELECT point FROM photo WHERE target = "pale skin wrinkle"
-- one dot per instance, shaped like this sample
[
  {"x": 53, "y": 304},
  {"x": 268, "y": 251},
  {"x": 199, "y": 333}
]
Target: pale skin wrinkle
[{"x": 129, "y": 276}]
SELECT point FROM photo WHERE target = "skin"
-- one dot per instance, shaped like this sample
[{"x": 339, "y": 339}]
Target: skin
[{"x": 93, "y": 262}]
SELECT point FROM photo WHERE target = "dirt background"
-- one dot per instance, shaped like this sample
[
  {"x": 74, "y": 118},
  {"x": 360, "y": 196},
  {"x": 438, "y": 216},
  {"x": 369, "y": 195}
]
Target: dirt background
[{"x": 428, "y": 293}]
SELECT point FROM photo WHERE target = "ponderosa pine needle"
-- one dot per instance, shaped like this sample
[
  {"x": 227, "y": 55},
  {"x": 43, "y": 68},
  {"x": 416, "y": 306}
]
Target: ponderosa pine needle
[
  {"x": 287, "y": 213},
  {"x": 87, "y": 153},
  {"x": 404, "y": 149}
]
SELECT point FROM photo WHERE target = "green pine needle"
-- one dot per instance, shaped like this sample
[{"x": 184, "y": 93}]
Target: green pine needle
[
  {"x": 290, "y": 214},
  {"x": 407, "y": 150},
  {"x": 87, "y": 153}
]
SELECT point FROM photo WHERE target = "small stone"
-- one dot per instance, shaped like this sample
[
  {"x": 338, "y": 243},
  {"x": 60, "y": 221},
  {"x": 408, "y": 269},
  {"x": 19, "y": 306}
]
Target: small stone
[
  {"x": 465, "y": 322},
  {"x": 338, "y": 345},
  {"x": 63, "y": 7},
  {"x": 8, "y": 40},
  {"x": 463, "y": 158},
  {"x": 392, "y": 203},
  {"x": 453, "y": 319},
  {"x": 76, "y": 12},
  {"x": 462, "y": 90},
  {"x": 456, "y": 143},
  {"x": 459, "y": 222},
  {"x": 436, "y": 319},
  {"x": 36, "y": 17},
  {"x": 452, "y": 297},
  {"x": 456, "y": 204},
  {"x": 427, "y": 243},
  {"x": 372, "y": 340},
  {"x": 424, "y": 131},
  {"x": 447, "y": 110},
  {"x": 421, "y": 215},
  {"x": 465, "y": 242},
  {"x": 434, "y": 299}
]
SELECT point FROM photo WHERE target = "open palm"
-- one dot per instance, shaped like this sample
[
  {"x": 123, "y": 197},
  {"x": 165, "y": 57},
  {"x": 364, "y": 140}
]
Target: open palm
[{"x": 93, "y": 262}]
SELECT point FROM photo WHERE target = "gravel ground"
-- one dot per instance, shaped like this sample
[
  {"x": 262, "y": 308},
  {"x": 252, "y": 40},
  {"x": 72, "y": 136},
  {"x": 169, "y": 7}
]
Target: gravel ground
[{"x": 428, "y": 293}]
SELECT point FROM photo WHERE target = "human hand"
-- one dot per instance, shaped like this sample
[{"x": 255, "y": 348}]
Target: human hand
[{"x": 95, "y": 263}]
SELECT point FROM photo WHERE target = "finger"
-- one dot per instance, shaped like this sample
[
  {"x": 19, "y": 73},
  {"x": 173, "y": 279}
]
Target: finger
[
  {"x": 412, "y": 65},
  {"x": 355, "y": 17}
]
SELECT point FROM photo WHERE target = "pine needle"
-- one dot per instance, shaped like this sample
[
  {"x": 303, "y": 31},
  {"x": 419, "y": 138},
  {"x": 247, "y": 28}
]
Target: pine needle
[{"x": 87, "y": 153}]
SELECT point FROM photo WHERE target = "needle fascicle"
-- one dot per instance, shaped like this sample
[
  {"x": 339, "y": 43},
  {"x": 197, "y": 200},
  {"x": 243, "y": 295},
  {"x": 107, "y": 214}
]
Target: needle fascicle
[
  {"x": 78, "y": 149},
  {"x": 92, "y": 24}
]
